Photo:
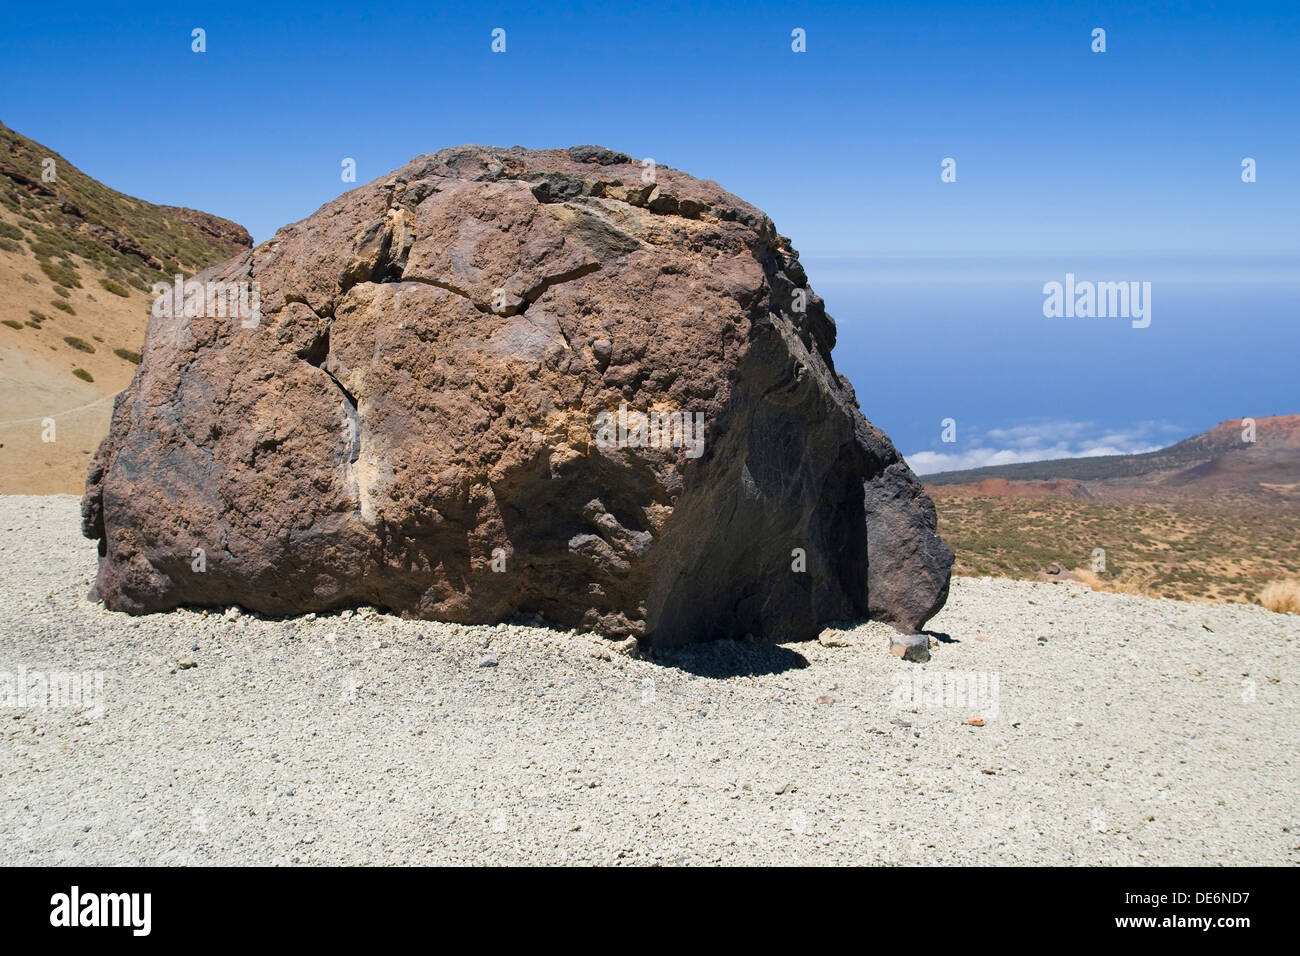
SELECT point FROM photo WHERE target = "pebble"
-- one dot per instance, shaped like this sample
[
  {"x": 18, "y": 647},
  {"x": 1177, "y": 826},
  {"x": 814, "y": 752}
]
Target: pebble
[{"x": 910, "y": 647}]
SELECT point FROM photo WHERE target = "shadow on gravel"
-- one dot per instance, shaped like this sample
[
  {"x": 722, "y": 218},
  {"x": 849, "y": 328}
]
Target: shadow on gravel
[
  {"x": 941, "y": 637},
  {"x": 723, "y": 659}
]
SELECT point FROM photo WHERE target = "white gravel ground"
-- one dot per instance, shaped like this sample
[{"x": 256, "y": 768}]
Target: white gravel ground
[{"x": 1139, "y": 731}]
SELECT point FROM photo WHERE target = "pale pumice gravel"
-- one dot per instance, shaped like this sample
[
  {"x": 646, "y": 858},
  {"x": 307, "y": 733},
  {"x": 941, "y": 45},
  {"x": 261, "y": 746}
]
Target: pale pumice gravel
[{"x": 1126, "y": 730}]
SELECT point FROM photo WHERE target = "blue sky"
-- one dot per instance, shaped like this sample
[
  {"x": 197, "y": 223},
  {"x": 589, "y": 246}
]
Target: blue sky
[{"x": 1063, "y": 156}]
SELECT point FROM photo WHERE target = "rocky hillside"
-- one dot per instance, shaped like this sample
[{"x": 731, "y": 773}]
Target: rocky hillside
[
  {"x": 1211, "y": 518},
  {"x": 77, "y": 261},
  {"x": 1277, "y": 438}
]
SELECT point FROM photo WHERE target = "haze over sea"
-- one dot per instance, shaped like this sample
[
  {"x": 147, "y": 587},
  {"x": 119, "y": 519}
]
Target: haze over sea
[{"x": 926, "y": 339}]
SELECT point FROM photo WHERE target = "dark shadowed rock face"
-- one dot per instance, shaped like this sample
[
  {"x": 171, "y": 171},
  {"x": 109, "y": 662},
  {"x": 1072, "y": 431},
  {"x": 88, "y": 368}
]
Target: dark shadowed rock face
[{"x": 427, "y": 417}]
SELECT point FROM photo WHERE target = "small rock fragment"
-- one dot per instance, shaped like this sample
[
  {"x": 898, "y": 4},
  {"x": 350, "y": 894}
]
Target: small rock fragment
[
  {"x": 834, "y": 639},
  {"x": 910, "y": 647}
]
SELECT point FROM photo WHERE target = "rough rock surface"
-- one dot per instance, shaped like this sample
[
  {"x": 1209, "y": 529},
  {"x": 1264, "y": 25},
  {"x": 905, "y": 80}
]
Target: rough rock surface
[
  {"x": 415, "y": 421},
  {"x": 214, "y": 226}
]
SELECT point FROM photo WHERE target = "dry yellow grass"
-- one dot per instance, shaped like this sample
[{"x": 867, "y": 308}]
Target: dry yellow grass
[
  {"x": 1209, "y": 550},
  {"x": 1127, "y": 583},
  {"x": 1281, "y": 596}
]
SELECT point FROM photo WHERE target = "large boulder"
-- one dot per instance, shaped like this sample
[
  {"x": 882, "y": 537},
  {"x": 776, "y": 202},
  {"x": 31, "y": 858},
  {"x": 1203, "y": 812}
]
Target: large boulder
[{"x": 456, "y": 402}]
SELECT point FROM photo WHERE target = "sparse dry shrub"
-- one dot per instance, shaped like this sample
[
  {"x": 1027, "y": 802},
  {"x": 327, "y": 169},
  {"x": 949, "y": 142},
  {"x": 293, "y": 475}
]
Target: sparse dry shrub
[
  {"x": 1281, "y": 596},
  {"x": 1125, "y": 583}
]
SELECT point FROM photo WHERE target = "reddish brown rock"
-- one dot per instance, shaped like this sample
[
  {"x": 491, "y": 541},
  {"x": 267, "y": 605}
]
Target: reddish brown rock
[
  {"x": 215, "y": 227},
  {"x": 419, "y": 420}
]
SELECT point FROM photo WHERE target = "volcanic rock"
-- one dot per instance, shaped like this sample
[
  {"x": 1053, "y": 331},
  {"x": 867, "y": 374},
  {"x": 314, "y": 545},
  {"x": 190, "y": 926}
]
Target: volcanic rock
[
  {"x": 501, "y": 382},
  {"x": 910, "y": 647}
]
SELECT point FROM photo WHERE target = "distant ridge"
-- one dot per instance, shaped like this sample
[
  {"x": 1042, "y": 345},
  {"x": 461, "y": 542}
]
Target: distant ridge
[
  {"x": 1279, "y": 433},
  {"x": 1211, "y": 518},
  {"x": 135, "y": 242}
]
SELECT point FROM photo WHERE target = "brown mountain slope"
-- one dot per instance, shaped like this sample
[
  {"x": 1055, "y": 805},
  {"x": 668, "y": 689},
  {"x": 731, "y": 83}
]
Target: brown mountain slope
[
  {"x": 1210, "y": 518},
  {"x": 77, "y": 261},
  {"x": 1271, "y": 434},
  {"x": 1214, "y": 463}
]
